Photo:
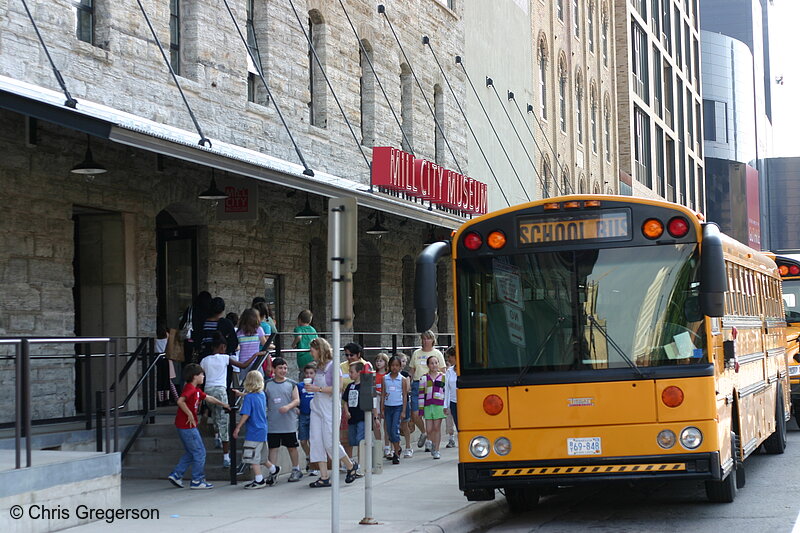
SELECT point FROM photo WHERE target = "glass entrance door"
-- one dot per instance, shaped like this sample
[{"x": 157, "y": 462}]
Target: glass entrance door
[{"x": 177, "y": 272}]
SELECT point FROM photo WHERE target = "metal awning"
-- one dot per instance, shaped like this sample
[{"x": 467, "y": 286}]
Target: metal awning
[{"x": 125, "y": 128}]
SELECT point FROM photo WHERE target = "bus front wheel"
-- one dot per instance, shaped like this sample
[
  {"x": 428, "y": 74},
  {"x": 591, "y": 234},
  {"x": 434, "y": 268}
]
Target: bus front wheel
[
  {"x": 776, "y": 443},
  {"x": 521, "y": 500},
  {"x": 724, "y": 491}
]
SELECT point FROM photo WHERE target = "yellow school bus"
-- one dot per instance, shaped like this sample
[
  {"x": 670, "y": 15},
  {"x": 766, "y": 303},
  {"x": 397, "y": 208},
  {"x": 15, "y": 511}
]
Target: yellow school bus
[
  {"x": 789, "y": 269},
  {"x": 609, "y": 338}
]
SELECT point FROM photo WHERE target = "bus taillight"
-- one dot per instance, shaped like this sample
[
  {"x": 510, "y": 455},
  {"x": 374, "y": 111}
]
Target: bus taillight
[
  {"x": 678, "y": 227},
  {"x": 493, "y": 404},
  {"x": 672, "y": 396},
  {"x": 472, "y": 241},
  {"x": 496, "y": 239},
  {"x": 794, "y": 270},
  {"x": 652, "y": 228}
]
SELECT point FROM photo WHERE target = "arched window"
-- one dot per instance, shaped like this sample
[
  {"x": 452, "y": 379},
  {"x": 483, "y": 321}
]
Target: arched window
[
  {"x": 438, "y": 109},
  {"x": 560, "y": 9},
  {"x": 367, "y": 86},
  {"x": 547, "y": 176},
  {"x": 590, "y": 30},
  {"x": 576, "y": 17},
  {"x": 596, "y": 189},
  {"x": 562, "y": 94},
  {"x": 607, "y": 128},
  {"x": 604, "y": 34},
  {"x": 565, "y": 183},
  {"x": 579, "y": 107},
  {"x": 593, "y": 116},
  {"x": 407, "y": 107},
  {"x": 317, "y": 104},
  {"x": 582, "y": 186},
  {"x": 542, "y": 55}
]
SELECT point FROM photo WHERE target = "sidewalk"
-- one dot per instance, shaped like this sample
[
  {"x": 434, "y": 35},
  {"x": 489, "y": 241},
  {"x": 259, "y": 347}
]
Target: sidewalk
[{"x": 405, "y": 497}]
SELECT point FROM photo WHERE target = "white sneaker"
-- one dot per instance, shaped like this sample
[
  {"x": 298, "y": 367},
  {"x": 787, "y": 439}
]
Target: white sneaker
[
  {"x": 451, "y": 442},
  {"x": 428, "y": 446},
  {"x": 436, "y": 454},
  {"x": 421, "y": 440},
  {"x": 387, "y": 452},
  {"x": 408, "y": 453}
]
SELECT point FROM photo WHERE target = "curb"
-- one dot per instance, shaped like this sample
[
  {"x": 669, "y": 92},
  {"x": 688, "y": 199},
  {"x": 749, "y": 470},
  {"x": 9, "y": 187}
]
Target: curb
[{"x": 475, "y": 516}]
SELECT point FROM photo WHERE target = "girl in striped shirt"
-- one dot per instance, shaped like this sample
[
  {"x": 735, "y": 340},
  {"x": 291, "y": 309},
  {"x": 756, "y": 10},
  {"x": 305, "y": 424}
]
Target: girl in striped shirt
[
  {"x": 431, "y": 404},
  {"x": 251, "y": 337}
]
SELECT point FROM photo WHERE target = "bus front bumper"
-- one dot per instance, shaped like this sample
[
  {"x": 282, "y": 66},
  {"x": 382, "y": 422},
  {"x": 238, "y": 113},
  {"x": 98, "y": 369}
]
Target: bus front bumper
[{"x": 495, "y": 475}]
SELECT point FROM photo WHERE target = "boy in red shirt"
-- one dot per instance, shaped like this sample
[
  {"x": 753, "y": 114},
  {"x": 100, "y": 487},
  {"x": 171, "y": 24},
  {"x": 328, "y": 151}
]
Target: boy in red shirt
[{"x": 186, "y": 422}]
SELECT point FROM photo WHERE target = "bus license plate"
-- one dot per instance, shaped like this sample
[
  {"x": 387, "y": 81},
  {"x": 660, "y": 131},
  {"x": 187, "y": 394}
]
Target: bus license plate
[{"x": 584, "y": 446}]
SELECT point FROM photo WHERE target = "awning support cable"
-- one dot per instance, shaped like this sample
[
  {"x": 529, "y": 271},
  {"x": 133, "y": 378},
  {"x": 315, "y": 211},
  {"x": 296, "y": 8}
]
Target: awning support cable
[
  {"x": 257, "y": 63},
  {"x": 546, "y": 139},
  {"x": 71, "y": 102},
  {"x": 330, "y": 86},
  {"x": 427, "y": 41},
  {"x": 203, "y": 139},
  {"x": 377, "y": 79},
  {"x": 490, "y": 83},
  {"x": 382, "y": 10},
  {"x": 460, "y": 61}
]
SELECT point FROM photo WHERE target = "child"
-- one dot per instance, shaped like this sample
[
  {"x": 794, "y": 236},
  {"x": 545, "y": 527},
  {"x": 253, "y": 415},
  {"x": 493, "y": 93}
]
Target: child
[
  {"x": 406, "y": 424},
  {"x": 431, "y": 404},
  {"x": 215, "y": 367},
  {"x": 381, "y": 367},
  {"x": 393, "y": 404},
  {"x": 186, "y": 422},
  {"x": 282, "y": 399},
  {"x": 305, "y": 333},
  {"x": 254, "y": 418},
  {"x": 250, "y": 336},
  {"x": 450, "y": 406},
  {"x": 352, "y": 411},
  {"x": 304, "y": 418}
]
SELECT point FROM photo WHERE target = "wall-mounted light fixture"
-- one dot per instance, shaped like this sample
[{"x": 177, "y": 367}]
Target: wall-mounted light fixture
[
  {"x": 307, "y": 213},
  {"x": 212, "y": 193},
  {"x": 88, "y": 167},
  {"x": 377, "y": 228}
]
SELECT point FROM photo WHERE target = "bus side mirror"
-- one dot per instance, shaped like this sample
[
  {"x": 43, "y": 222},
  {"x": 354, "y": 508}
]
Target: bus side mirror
[
  {"x": 425, "y": 294},
  {"x": 713, "y": 278}
]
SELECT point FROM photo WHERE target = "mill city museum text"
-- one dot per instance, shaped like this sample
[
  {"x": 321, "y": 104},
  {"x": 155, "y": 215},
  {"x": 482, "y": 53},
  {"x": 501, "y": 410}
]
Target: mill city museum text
[{"x": 400, "y": 171}]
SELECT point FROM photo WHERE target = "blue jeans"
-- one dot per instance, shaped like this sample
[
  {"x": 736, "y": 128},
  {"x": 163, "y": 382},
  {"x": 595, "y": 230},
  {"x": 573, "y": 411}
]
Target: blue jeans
[
  {"x": 355, "y": 433},
  {"x": 415, "y": 396},
  {"x": 392, "y": 416},
  {"x": 195, "y": 455}
]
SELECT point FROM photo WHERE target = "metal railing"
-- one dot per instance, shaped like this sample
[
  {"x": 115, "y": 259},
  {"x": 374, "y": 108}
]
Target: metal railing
[{"x": 23, "y": 419}]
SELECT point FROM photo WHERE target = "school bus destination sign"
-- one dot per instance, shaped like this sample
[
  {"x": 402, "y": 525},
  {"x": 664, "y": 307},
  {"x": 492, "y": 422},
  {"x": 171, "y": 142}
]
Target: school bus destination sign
[{"x": 400, "y": 171}]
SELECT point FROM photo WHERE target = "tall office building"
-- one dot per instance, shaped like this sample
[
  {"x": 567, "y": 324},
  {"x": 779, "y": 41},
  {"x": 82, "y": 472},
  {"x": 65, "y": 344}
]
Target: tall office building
[
  {"x": 737, "y": 106},
  {"x": 659, "y": 100}
]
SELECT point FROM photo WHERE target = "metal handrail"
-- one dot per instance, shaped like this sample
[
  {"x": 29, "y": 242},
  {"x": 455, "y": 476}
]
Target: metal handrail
[{"x": 139, "y": 383}]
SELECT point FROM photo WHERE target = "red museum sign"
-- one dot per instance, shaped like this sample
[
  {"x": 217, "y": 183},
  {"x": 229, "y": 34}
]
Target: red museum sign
[{"x": 400, "y": 171}]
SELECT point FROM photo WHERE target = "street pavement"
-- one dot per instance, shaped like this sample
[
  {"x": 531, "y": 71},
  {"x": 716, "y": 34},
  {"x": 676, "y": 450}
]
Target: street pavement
[
  {"x": 410, "y": 496},
  {"x": 769, "y": 503}
]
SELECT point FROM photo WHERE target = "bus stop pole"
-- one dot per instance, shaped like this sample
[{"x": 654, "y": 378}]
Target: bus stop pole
[{"x": 336, "y": 291}]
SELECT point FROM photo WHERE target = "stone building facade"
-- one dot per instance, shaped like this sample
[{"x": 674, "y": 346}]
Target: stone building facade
[
  {"x": 113, "y": 253},
  {"x": 659, "y": 100}
]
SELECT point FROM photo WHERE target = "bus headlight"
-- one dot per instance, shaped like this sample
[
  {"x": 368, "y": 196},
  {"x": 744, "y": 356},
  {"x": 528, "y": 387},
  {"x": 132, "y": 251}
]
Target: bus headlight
[
  {"x": 691, "y": 437},
  {"x": 479, "y": 447},
  {"x": 502, "y": 446},
  {"x": 666, "y": 439}
]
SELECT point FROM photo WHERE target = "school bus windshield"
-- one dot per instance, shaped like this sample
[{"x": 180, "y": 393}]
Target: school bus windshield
[
  {"x": 580, "y": 310},
  {"x": 791, "y": 300}
]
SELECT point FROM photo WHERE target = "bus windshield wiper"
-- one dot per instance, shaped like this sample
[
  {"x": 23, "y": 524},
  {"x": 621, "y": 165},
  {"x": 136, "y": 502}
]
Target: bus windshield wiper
[
  {"x": 540, "y": 349},
  {"x": 614, "y": 345}
]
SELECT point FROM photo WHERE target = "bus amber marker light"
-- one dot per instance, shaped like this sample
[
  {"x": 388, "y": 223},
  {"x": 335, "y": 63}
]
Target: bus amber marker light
[
  {"x": 496, "y": 239},
  {"x": 784, "y": 270},
  {"x": 672, "y": 396},
  {"x": 652, "y": 228},
  {"x": 678, "y": 227},
  {"x": 493, "y": 404},
  {"x": 472, "y": 241}
]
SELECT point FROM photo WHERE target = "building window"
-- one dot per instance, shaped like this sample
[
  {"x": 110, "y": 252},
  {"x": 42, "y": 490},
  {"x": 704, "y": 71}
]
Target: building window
[
  {"x": 655, "y": 18},
  {"x": 438, "y": 110},
  {"x": 639, "y": 60},
  {"x": 579, "y": 108},
  {"x": 658, "y": 84},
  {"x": 565, "y": 185},
  {"x": 175, "y": 35},
  {"x": 590, "y": 35},
  {"x": 715, "y": 121},
  {"x": 560, "y": 9},
  {"x": 255, "y": 90},
  {"x": 576, "y": 18},
  {"x": 562, "y": 100},
  {"x": 367, "y": 92},
  {"x": 659, "y": 161},
  {"x": 317, "y": 104},
  {"x": 593, "y": 111},
  {"x": 543, "y": 81},
  {"x": 642, "y": 146},
  {"x": 604, "y": 37},
  {"x": 548, "y": 177},
  {"x": 607, "y": 131},
  {"x": 84, "y": 15},
  {"x": 407, "y": 107}
]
